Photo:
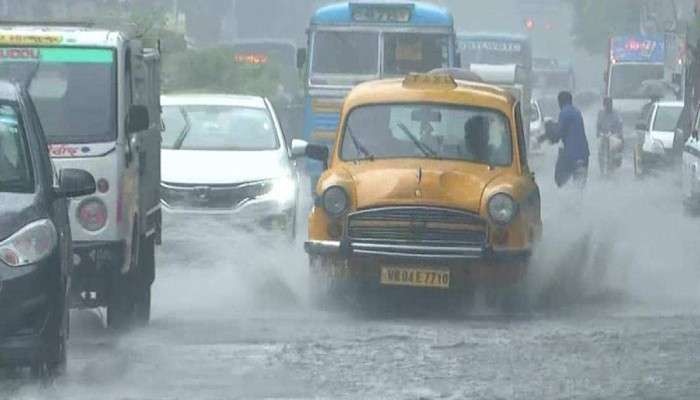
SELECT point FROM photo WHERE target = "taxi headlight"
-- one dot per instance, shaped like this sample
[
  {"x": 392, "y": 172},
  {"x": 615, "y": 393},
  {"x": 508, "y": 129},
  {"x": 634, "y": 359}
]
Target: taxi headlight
[
  {"x": 502, "y": 208},
  {"x": 29, "y": 245},
  {"x": 335, "y": 201}
]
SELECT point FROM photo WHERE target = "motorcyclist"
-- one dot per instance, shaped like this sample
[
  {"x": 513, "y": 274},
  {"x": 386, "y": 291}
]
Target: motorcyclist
[
  {"x": 570, "y": 130},
  {"x": 610, "y": 127}
]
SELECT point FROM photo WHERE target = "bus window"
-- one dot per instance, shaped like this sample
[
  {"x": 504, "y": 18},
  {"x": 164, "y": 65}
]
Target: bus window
[{"x": 412, "y": 52}]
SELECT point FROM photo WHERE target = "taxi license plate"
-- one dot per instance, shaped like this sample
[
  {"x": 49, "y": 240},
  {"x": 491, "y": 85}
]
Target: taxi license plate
[{"x": 416, "y": 277}]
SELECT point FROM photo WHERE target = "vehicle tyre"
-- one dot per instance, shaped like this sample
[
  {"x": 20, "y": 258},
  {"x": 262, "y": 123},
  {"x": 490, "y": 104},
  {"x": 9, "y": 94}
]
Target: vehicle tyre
[
  {"x": 53, "y": 361},
  {"x": 145, "y": 276}
]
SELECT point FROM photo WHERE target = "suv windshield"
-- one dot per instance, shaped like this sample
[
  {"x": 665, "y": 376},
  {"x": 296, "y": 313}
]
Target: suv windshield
[
  {"x": 428, "y": 131},
  {"x": 15, "y": 172},
  {"x": 414, "y": 52},
  {"x": 74, "y": 90},
  {"x": 666, "y": 119},
  {"x": 218, "y": 128}
]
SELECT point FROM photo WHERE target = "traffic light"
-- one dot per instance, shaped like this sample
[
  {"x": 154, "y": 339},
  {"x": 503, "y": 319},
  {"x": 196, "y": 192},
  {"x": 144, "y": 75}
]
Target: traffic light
[{"x": 529, "y": 24}]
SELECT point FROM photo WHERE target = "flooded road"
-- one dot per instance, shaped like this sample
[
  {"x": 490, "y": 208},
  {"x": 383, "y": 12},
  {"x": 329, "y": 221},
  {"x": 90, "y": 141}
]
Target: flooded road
[{"x": 614, "y": 316}]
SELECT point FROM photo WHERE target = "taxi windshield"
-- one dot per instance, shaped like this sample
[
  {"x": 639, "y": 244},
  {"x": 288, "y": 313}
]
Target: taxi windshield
[
  {"x": 15, "y": 171},
  {"x": 434, "y": 131},
  {"x": 207, "y": 127},
  {"x": 74, "y": 90}
]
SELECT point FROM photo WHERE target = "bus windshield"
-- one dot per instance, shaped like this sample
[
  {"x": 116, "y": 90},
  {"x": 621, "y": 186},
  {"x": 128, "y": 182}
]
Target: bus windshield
[
  {"x": 626, "y": 79},
  {"x": 412, "y": 52},
  {"x": 347, "y": 58},
  {"x": 340, "y": 56},
  {"x": 74, "y": 90}
]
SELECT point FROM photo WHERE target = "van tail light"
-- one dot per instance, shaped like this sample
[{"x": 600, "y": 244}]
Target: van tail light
[
  {"x": 103, "y": 186},
  {"x": 92, "y": 214}
]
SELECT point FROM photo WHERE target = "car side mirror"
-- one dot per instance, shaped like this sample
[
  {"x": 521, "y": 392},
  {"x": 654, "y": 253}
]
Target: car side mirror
[
  {"x": 641, "y": 126},
  {"x": 75, "y": 183},
  {"x": 299, "y": 148},
  {"x": 301, "y": 58},
  {"x": 318, "y": 153},
  {"x": 694, "y": 134},
  {"x": 138, "y": 119}
]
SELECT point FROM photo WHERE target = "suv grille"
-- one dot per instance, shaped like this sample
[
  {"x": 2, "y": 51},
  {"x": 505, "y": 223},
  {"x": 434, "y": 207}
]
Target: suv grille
[{"x": 212, "y": 196}]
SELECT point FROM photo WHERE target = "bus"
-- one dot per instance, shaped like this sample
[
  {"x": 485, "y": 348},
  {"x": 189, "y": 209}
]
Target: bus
[
  {"x": 495, "y": 49},
  {"x": 640, "y": 67},
  {"x": 353, "y": 42}
]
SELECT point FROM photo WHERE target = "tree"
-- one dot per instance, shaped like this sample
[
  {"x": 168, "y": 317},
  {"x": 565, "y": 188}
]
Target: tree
[{"x": 595, "y": 21}]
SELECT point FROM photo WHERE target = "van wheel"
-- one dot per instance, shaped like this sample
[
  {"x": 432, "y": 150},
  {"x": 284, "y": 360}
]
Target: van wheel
[{"x": 142, "y": 284}]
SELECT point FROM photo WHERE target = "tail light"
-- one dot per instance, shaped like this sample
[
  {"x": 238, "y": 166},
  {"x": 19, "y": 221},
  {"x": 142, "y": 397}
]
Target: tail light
[{"x": 92, "y": 214}]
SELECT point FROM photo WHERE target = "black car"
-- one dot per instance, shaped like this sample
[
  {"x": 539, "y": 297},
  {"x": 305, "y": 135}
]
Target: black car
[{"x": 35, "y": 240}]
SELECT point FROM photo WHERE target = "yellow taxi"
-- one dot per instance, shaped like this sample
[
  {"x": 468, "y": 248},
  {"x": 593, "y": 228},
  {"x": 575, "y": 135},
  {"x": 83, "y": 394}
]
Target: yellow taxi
[{"x": 427, "y": 186}]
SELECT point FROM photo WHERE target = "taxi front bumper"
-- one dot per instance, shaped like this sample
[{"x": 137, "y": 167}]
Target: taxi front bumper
[
  {"x": 413, "y": 251},
  {"x": 467, "y": 266}
]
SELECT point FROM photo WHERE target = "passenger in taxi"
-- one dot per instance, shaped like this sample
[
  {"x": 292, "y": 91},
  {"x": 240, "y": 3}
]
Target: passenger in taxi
[{"x": 476, "y": 138}]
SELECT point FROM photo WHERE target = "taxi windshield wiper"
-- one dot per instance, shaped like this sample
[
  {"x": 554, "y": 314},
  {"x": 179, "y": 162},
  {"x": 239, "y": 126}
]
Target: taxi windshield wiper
[
  {"x": 358, "y": 146},
  {"x": 424, "y": 148}
]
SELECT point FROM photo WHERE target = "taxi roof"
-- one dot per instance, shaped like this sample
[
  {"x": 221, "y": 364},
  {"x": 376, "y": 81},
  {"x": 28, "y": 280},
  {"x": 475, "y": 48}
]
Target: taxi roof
[
  {"x": 459, "y": 93},
  {"x": 205, "y": 99},
  {"x": 58, "y": 35}
]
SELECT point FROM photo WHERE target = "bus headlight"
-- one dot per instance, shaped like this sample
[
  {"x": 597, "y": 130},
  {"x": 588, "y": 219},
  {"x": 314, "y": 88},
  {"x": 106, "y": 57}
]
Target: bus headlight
[{"x": 502, "y": 208}]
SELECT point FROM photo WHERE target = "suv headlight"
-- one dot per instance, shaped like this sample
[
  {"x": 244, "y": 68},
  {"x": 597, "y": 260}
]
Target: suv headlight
[
  {"x": 335, "y": 201},
  {"x": 502, "y": 208},
  {"x": 29, "y": 245},
  {"x": 282, "y": 189}
]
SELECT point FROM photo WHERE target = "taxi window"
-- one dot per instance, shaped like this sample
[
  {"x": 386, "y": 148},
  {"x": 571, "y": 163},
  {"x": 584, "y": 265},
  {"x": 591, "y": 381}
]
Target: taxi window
[
  {"x": 15, "y": 172},
  {"x": 428, "y": 131}
]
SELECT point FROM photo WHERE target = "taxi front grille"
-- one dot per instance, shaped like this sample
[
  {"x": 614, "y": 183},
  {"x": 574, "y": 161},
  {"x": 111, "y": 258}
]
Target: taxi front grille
[
  {"x": 211, "y": 196},
  {"x": 417, "y": 225}
]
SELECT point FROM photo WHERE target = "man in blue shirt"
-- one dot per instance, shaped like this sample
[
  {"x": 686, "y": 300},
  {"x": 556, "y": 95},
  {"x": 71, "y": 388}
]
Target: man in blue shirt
[{"x": 570, "y": 130}]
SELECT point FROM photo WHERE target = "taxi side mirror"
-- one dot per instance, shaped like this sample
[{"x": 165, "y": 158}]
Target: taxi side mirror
[{"x": 318, "y": 153}]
